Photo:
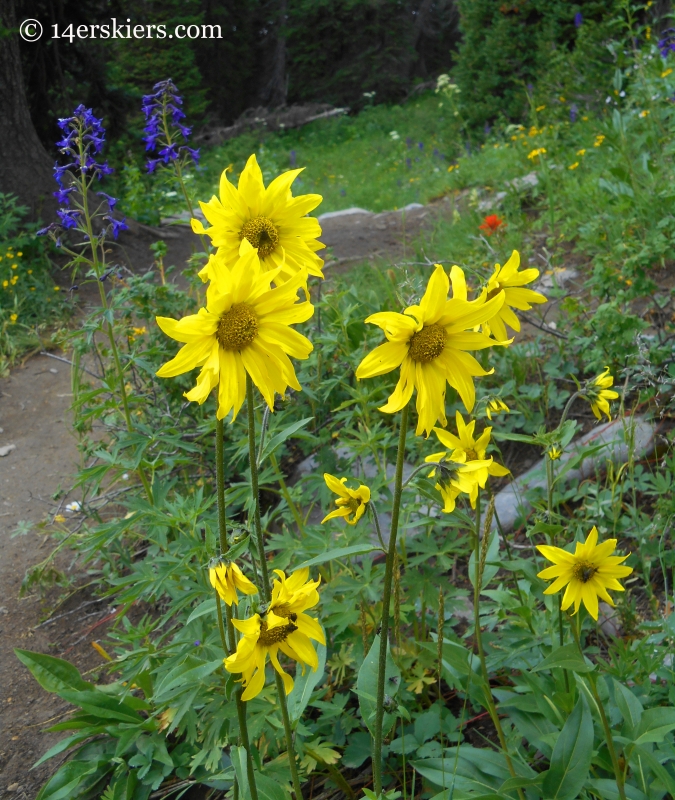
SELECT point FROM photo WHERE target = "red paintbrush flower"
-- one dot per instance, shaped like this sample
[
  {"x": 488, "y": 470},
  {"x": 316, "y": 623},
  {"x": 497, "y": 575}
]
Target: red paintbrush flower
[{"x": 491, "y": 223}]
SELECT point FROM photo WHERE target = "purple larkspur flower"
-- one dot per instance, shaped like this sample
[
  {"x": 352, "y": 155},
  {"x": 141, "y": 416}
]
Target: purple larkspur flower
[
  {"x": 573, "y": 112},
  {"x": 578, "y": 19},
  {"x": 68, "y": 217},
  {"x": 112, "y": 201},
  {"x": 62, "y": 195},
  {"x": 163, "y": 115},
  {"x": 117, "y": 225},
  {"x": 667, "y": 42}
]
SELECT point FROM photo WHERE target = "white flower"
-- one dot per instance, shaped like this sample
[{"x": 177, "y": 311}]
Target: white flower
[{"x": 74, "y": 506}]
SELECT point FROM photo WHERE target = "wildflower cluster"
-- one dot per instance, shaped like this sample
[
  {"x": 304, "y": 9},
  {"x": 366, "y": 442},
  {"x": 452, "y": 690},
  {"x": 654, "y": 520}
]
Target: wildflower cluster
[
  {"x": 83, "y": 140},
  {"x": 163, "y": 126}
]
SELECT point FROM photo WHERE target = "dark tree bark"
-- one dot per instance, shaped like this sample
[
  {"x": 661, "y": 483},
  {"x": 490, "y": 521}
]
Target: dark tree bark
[
  {"x": 278, "y": 85},
  {"x": 25, "y": 166}
]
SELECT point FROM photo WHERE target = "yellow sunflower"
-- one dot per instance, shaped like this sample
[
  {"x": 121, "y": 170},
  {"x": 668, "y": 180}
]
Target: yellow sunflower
[
  {"x": 496, "y": 406},
  {"x": 350, "y": 503},
  {"x": 599, "y": 394},
  {"x": 283, "y": 627},
  {"x": 226, "y": 578},
  {"x": 511, "y": 282},
  {"x": 457, "y": 475},
  {"x": 429, "y": 343},
  {"x": 243, "y": 329},
  {"x": 474, "y": 449},
  {"x": 587, "y": 573},
  {"x": 271, "y": 219}
]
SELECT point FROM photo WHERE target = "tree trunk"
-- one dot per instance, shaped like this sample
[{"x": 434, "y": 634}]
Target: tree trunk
[
  {"x": 278, "y": 85},
  {"x": 25, "y": 166}
]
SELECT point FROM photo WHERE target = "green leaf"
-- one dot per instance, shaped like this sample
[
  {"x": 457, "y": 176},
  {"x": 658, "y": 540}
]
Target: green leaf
[
  {"x": 366, "y": 686},
  {"x": 656, "y": 767},
  {"x": 278, "y": 439},
  {"x": 69, "y": 741},
  {"x": 64, "y": 784},
  {"x": 238, "y": 548},
  {"x": 521, "y": 783},
  {"x": 655, "y": 724},
  {"x": 339, "y": 552},
  {"x": 102, "y": 705},
  {"x": 206, "y": 607},
  {"x": 304, "y": 685},
  {"x": 629, "y": 706},
  {"x": 567, "y": 657},
  {"x": 53, "y": 674},
  {"x": 269, "y": 789},
  {"x": 238, "y": 758},
  {"x": 184, "y": 676},
  {"x": 572, "y": 755}
]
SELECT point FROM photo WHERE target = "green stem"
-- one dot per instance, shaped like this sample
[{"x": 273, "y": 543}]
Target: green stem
[
  {"x": 386, "y": 599},
  {"x": 567, "y": 408},
  {"x": 549, "y": 506},
  {"x": 289, "y": 736},
  {"x": 230, "y": 646},
  {"x": 618, "y": 772},
  {"x": 93, "y": 243},
  {"x": 492, "y": 709},
  {"x": 252, "y": 457}
]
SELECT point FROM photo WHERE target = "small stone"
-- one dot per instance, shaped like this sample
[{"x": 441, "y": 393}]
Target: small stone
[
  {"x": 12, "y": 787},
  {"x": 609, "y": 620},
  {"x": 7, "y": 449},
  {"x": 53, "y": 371}
]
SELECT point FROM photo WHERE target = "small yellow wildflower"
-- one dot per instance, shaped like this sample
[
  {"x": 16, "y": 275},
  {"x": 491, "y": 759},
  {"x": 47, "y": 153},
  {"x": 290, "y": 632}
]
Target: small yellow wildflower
[
  {"x": 5, "y": 284},
  {"x": 573, "y": 166},
  {"x": 57, "y": 288},
  {"x": 644, "y": 113},
  {"x": 540, "y": 108},
  {"x": 226, "y": 579},
  {"x": 599, "y": 139},
  {"x": 14, "y": 279},
  {"x": 537, "y": 152},
  {"x": 283, "y": 627},
  {"x": 666, "y": 72},
  {"x": 30, "y": 271},
  {"x": 19, "y": 254},
  {"x": 14, "y": 266},
  {"x": 140, "y": 331},
  {"x": 562, "y": 99},
  {"x": 581, "y": 152},
  {"x": 554, "y": 452},
  {"x": 496, "y": 406},
  {"x": 599, "y": 394},
  {"x": 59, "y": 518},
  {"x": 350, "y": 503},
  {"x": 13, "y": 317},
  {"x": 587, "y": 573}
]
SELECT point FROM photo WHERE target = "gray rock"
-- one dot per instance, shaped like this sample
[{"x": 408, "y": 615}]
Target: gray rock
[
  {"x": 609, "y": 620},
  {"x": 511, "y": 503},
  {"x": 345, "y": 212}
]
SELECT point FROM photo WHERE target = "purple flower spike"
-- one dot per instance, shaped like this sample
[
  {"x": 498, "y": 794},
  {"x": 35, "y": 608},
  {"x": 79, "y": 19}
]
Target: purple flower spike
[
  {"x": 578, "y": 19},
  {"x": 117, "y": 225},
  {"x": 68, "y": 217},
  {"x": 112, "y": 201},
  {"x": 163, "y": 126}
]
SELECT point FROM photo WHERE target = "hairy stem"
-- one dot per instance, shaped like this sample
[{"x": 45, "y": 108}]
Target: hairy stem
[
  {"x": 386, "y": 598},
  {"x": 253, "y": 463},
  {"x": 289, "y": 736}
]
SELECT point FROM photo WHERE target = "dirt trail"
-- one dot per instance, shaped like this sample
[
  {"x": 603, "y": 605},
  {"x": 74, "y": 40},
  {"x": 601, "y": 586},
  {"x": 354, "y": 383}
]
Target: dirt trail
[{"x": 35, "y": 417}]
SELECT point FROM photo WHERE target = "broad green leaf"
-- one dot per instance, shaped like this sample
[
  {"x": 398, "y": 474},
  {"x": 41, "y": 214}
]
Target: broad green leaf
[
  {"x": 304, "y": 685},
  {"x": 206, "y": 607},
  {"x": 102, "y": 705},
  {"x": 64, "y": 784},
  {"x": 53, "y": 674},
  {"x": 279, "y": 438},
  {"x": 69, "y": 741},
  {"x": 184, "y": 676},
  {"x": 366, "y": 686},
  {"x": 606, "y": 789},
  {"x": 629, "y": 706},
  {"x": 655, "y": 765},
  {"x": 572, "y": 755},
  {"x": 566, "y": 657},
  {"x": 238, "y": 758},
  {"x": 269, "y": 789},
  {"x": 338, "y": 552},
  {"x": 521, "y": 783},
  {"x": 655, "y": 724}
]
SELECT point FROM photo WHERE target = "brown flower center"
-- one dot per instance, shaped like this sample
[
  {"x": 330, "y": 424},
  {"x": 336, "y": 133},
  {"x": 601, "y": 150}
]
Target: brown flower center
[
  {"x": 276, "y": 635},
  {"x": 471, "y": 455},
  {"x": 262, "y": 234},
  {"x": 238, "y": 327},
  {"x": 427, "y": 344},
  {"x": 583, "y": 571}
]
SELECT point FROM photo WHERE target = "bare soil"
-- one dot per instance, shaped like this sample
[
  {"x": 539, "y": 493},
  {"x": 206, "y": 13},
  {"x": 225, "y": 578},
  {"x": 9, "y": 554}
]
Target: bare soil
[{"x": 35, "y": 477}]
